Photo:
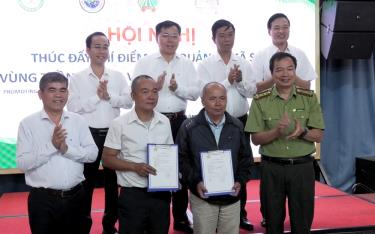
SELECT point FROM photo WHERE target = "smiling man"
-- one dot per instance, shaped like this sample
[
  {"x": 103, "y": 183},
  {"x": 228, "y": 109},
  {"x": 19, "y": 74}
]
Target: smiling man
[
  {"x": 52, "y": 147},
  {"x": 211, "y": 130},
  {"x": 98, "y": 93},
  {"x": 235, "y": 74},
  {"x": 125, "y": 151},
  {"x": 286, "y": 121},
  {"x": 278, "y": 27},
  {"x": 177, "y": 83}
]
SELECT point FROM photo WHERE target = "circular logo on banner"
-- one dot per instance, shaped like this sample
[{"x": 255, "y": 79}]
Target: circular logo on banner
[
  {"x": 31, "y": 5},
  {"x": 148, "y": 4},
  {"x": 92, "y": 6}
]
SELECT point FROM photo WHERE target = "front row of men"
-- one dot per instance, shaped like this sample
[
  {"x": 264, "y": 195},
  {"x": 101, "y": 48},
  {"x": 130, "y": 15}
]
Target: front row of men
[{"x": 285, "y": 121}]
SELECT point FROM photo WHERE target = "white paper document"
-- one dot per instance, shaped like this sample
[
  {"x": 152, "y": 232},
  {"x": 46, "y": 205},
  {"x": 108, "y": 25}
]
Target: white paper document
[
  {"x": 164, "y": 158},
  {"x": 217, "y": 172}
]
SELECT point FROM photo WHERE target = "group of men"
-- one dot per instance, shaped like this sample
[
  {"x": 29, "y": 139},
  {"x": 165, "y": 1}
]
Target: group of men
[{"x": 60, "y": 151}]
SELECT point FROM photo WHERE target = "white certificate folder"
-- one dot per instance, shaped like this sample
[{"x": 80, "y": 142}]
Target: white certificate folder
[
  {"x": 164, "y": 158},
  {"x": 217, "y": 172}
]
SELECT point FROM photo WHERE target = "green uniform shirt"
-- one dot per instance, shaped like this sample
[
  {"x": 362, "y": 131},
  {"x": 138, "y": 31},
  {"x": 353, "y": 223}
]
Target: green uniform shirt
[{"x": 267, "y": 108}]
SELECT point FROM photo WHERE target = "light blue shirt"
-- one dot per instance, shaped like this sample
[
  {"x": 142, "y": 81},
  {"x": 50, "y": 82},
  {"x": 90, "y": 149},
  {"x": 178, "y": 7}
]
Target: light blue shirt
[{"x": 215, "y": 128}]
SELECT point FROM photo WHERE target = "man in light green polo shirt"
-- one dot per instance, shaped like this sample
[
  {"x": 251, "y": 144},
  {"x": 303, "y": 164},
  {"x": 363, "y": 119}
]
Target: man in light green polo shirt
[{"x": 286, "y": 121}]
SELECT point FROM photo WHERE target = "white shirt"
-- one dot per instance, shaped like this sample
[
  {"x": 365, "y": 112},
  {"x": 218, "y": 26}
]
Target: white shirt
[
  {"x": 43, "y": 164},
  {"x": 130, "y": 135},
  {"x": 261, "y": 63},
  {"x": 83, "y": 98},
  {"x": 187, "y": 84},
  {"x": 214, "y": 69}
]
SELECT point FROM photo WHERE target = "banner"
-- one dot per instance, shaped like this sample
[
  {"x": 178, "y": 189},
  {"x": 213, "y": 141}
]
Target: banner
[{"x": 40, "y": 36}]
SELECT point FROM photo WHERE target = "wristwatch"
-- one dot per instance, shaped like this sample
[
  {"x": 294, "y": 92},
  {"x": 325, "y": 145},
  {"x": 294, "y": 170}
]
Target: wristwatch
[{"x": 303, "y": 134}]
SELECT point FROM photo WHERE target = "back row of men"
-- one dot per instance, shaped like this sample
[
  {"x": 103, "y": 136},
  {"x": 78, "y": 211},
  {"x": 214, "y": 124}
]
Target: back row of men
[{"x": 56, "y": 149}]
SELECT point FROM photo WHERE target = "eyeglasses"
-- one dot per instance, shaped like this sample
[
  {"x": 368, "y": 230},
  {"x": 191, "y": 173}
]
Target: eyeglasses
[{"x": 174, "y": 36}]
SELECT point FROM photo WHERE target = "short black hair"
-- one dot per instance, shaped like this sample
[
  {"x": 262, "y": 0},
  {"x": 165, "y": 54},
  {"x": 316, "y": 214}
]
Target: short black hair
[
  {"x": 221, "y": 23},
  {"x": 89, "y": 38},
  {"x": 281, "y": 55},
  {"x": 52, "y": 77},
  {"x": 167, "y": 24},
  {"x": 274, "y": 17},
  {"x": 135, "y": 81}
]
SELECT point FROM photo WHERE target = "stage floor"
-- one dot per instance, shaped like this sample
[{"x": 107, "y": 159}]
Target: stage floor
[{"x": 334, "y": 210}]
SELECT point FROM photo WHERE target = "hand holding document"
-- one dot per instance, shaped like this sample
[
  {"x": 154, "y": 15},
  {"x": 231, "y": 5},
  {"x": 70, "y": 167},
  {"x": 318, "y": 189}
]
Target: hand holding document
[
  {"x": 164, "y": 158},
  {"x": 217, "y": 172}
]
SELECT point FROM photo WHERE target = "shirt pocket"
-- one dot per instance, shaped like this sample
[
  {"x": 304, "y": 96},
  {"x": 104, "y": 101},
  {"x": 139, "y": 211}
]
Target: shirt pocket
[
  {"x": 302, "y": 116},
  {"x": 270, "y": 120}
]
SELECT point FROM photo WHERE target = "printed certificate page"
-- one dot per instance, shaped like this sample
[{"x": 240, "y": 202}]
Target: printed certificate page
[
  {"x": 217, "y": 172},
  {"x": 164, "y": 158}
]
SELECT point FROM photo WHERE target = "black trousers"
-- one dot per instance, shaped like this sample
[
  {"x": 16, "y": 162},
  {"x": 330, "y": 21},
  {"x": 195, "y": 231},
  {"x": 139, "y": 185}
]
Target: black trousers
[
  {"x": 180, "y": 198},
  {"x": 243, "y": 191},
  {"x": 49, "y": 212},
  {"x": 295, "y": 182},
  {"x": 143, "y": 212},
  {"x": 110, "y": 187}
]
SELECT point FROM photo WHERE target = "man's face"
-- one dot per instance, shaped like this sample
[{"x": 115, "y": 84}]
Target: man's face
[
  {"x": 54, "y": 96},
  {"x": 145, "y": 95},
  {"x": 284, "y": 73},
  {"x": 168, "y": 40},
  {"x": 214, "y": 101},
  {"x": 279, "y": 31},
  {"x": 224, "y": 39},
  {"x": 98, "y": 51}
]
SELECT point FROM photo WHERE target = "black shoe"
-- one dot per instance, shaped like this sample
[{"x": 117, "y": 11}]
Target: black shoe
[
  {"x": 263, "y": 223},
  {"x": 245, "y": 224},
  {"x": 183, "y": 226}
]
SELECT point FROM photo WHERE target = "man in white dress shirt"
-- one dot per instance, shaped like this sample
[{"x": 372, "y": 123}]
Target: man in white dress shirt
[
  {"x": 98, "y": 93},
  {"x": 125, "y": 151},
  {"x": 278, "y": 28},
  {"x": 52, "y": 147},
  {"x": 177, "y": 83},
  {"x": 234, "y": 73}
]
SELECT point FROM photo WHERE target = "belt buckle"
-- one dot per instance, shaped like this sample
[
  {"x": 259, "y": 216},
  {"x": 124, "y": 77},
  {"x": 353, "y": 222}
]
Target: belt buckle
[
  {"x": 63, "y": 193},
  {"x": 291, "y": 161}
]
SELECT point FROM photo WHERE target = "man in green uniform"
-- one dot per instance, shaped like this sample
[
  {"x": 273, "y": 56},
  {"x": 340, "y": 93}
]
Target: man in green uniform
[{"x": 286, "y": 121}]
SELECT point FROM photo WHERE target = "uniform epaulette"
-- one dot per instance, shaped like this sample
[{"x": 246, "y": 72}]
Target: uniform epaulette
[
  {"x": 305, "y": 92},
  {"x": 262, "y": 94}
]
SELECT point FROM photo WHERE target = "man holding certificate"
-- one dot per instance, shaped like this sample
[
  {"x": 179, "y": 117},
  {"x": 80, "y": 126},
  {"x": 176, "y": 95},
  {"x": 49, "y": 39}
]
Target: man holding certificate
[
  {"x": 131, "y": 137},
  {"x": 215, "y": 159}
]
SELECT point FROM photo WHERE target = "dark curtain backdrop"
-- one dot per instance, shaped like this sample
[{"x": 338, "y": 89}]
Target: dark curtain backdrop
[{"x": 348, "y": 104}]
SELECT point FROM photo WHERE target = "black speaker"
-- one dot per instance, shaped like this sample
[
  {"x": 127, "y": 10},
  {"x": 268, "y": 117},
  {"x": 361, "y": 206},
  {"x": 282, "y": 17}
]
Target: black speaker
[
  {"x": 365, "y": 175},
  {"x": 347, "y": 29}
]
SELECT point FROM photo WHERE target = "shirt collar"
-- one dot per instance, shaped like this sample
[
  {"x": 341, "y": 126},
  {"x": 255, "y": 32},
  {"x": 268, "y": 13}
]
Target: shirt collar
[
  {"x": 159, "y": 56},
  {"x": 210, "y": 122},
  {"x": 133, "y": 117},
  {"x": 275, "y": 93},
  {"x": 276, "y": 49},
  {"x": 218, "y": 57},
  {"x": 91, "y": 73},
  {"x": 44, "y": 115}
]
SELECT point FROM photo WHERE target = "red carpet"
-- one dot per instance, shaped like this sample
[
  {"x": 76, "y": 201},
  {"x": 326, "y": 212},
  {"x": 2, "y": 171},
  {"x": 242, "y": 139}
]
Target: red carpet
[{"x": 333, "y": 210}]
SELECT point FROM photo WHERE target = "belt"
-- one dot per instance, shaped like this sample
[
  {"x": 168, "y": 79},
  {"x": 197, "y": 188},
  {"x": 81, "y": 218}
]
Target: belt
[
  {"x": 99, "y": 131},
  {"x": 61, "y": 193},
  {"x": 174, "y": 115},
  {"x": 134, "y": 188},
  {"x": 288, "y": 161}
]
